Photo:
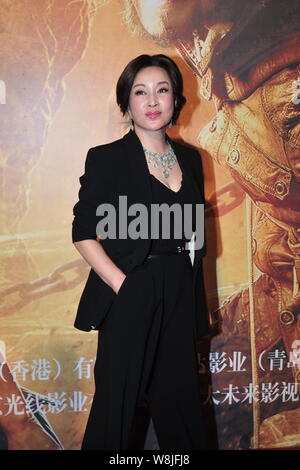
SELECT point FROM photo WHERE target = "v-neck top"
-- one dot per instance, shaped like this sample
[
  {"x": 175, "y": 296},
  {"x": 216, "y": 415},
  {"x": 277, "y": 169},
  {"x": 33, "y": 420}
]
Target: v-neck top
[{"x": 161, "y": 194}]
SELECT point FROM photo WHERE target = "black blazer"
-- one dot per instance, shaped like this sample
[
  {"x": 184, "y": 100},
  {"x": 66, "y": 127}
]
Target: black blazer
[{"x": 120, "y": 168}]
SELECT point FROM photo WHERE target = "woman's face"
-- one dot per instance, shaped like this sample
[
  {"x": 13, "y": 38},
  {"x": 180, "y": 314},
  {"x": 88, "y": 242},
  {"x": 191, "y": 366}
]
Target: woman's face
[{"x": 151, "y": 100}]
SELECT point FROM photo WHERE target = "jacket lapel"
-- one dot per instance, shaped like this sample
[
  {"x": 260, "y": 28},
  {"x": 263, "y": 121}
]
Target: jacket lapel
[
  {"x": 139, "y": 189},
  {"x": 189, "y": 170},
  {"x": 138, "y": 167},
  {"x": 186, "y": 167},
  {"x": 142, "y": 189}
]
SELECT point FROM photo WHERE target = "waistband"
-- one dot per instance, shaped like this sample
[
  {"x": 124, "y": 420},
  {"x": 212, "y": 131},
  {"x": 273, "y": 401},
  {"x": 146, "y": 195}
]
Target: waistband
[{"x": 178, "y": 250}]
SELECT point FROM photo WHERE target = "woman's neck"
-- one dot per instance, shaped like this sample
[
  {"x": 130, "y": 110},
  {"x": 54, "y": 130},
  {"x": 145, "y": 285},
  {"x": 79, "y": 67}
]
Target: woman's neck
[{"x": 155, "y": 141}]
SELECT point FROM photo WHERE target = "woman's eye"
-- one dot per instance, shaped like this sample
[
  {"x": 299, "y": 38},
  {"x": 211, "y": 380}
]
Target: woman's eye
[
  {"x": 139, "y": 92},
  {"x": 163, "y": 90}
]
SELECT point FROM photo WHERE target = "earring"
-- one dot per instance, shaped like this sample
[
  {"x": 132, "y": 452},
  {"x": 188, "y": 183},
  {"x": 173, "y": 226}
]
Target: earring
[
  {"x": 131, "y": 124},
  {"x": 171, "y": 123}
]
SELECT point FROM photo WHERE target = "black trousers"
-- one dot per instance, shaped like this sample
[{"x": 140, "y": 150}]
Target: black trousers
[{"x": 147, "y": 350}]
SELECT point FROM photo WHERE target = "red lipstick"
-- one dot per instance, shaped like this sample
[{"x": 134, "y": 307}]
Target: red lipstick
[{"x": 153, "y": 114}]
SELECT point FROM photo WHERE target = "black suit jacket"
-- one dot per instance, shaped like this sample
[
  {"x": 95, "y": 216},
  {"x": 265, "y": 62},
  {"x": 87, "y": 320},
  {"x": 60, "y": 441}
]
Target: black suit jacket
[{"x": 120, "y": 168}]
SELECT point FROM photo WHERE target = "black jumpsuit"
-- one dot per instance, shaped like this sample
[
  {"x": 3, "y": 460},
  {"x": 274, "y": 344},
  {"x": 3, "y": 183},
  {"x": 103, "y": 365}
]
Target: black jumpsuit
[{"x": 147, "y": 351}]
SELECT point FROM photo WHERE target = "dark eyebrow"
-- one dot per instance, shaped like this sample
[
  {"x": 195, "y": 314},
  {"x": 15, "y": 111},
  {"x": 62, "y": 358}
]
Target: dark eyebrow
[{"x": 142, "y": 84}]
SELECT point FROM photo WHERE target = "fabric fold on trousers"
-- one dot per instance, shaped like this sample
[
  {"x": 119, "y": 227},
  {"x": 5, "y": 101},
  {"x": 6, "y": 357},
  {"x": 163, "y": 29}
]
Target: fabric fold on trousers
[{"x": 123, "y": 367}]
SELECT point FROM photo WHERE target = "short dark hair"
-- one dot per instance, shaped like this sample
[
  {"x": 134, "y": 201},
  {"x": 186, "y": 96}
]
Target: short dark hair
[{"x": 128, "y": 75}]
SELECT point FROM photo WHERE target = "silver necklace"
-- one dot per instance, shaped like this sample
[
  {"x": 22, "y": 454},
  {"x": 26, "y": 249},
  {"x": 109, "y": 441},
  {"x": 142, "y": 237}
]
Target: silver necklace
[{"x": 167, "y": 160}]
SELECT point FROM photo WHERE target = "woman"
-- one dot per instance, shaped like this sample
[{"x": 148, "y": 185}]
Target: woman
[{"x": 141, "y": 291}]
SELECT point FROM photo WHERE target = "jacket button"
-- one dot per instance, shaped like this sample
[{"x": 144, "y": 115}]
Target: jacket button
[
  {"x": 234, "y": 156},
  {"x": 281, "y": 188},
  {"x": 287, "y": 317}
]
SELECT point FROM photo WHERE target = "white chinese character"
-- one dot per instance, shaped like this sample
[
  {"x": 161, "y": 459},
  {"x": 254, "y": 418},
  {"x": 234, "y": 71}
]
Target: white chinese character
[
  {"x": 202, "y": 360},
  {"x": 59, "y": 402},
  {"x": 83, "y": 368},
  {"x": 209, "y": 398},
  {"x": 295, "y": 354},
  {"x": 230, "y": 394},
  {"x": 269, "y": 392},
  {"x": 16, "y": 405},
  {"x": 214, "y": 399},
  {"x": 40, "y": 369},
  {"x": 251, "y": 393},
  {"x": 217, "y": 362},
  {"x": 34, "y": 403},
  {"x": 19, "y": 370},
  {"x": 289, "y": 392},
  {"x": 237, "y": 361},
  {"x": 276, "y": 359},
  {"x": 78, "y": 401}
]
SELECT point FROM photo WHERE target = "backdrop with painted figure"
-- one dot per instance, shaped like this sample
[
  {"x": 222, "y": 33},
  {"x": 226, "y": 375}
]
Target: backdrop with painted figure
[{"x": 242, "y": 78}]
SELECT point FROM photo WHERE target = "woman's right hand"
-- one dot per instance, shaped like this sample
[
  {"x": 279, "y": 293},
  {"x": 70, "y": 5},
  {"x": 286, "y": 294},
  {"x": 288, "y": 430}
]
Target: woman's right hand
[{"x": 95, "y": 255}]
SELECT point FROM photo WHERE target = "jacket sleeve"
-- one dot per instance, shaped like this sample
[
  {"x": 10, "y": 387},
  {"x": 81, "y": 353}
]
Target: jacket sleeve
[
  {"x": 91, "y": 194},
  {"x": 201, "y": 311},
  {"x": 200, "y": 183}
]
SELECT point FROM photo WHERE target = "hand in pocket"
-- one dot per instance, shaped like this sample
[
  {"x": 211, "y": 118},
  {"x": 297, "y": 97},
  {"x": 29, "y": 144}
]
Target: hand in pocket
[{"x": 124, "y": 281}]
